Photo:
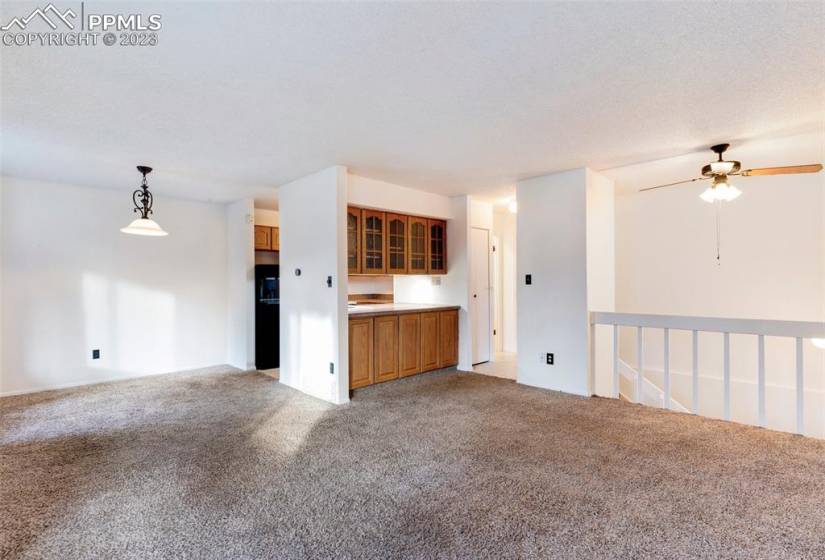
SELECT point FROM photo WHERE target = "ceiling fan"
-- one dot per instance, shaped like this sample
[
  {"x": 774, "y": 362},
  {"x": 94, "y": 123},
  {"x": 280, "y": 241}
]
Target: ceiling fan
[{"x": 718, "y": 171}]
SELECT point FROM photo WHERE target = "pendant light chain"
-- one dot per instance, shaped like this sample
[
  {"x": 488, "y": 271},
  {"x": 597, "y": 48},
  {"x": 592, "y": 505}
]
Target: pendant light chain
[{"x": 142, "y": 197}]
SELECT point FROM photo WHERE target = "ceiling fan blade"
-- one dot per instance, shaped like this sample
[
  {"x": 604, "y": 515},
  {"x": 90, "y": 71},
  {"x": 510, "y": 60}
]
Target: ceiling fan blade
[
  {"x": 788, "y": 170},
  {"x": 674, "y": 184}
]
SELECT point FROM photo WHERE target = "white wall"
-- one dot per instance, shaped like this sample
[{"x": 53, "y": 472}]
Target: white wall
[
  {"x": 556, "y": 213},
  {"x": 601, "y": 270},
  {"x": 313, "y": 316},
  {"x": 772, "y": 267},
  {"x": 481, "y": 214},
  {"x": 73, "y": 282},
  {"x": 240, "y": 283},
  {"x": 266, "y": 217},
  {"x": 362, "y": 191},
  {"x": 370, "y": 285},
  {"x": 552, "y": 312},
  {"x": 504, "y": 227},
  {"x": 2, "y": 252}
]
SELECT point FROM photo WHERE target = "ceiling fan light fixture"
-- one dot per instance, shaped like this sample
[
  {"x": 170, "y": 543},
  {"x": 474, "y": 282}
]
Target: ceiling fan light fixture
[
  {"x": 709, "y": 195},
  {"x": 732, "y": 193},
  {"x": 722, "y": 167},
  {"x": 721, "y": 190},
  {"x": 724, "y": 190}
]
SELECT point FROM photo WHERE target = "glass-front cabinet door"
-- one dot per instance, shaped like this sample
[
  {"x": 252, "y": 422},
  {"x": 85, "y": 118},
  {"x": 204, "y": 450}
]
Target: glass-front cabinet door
[
  {"x": 396, "y": 244},
  {"x": 417, "y": 246},
  {"x": 373, "y": 242},
  {"x": 354, "y": 240},
  {"x": 437, "y": 250}
]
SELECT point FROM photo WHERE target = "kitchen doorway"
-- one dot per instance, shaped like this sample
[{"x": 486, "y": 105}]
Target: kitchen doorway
[
  {"x": 501, "y": 273},
  {"x": 480, "y": 302}
]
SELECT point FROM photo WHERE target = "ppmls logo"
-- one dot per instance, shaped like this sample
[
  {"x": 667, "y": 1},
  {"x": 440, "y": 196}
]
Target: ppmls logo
[
  {"x": 42, "y": 14},
  {"x": 94, "y": 28}
]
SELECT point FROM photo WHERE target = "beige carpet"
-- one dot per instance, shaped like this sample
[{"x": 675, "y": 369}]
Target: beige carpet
[{"x": 443, "y": 465}]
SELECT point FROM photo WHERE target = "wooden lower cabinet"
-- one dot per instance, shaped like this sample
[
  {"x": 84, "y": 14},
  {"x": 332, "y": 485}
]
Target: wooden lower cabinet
[
  {"x": 409, "y": 344},
  {"x": 360, "y": 353},
  {"x": 448, "y": 338},
  {"x": 429, "y": 341},
  {"x": 386, "y": 348}
]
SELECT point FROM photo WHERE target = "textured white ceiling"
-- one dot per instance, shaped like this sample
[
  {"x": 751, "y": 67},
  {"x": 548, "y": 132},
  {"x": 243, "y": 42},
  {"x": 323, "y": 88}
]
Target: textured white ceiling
[{"x": 449, "y": 98}]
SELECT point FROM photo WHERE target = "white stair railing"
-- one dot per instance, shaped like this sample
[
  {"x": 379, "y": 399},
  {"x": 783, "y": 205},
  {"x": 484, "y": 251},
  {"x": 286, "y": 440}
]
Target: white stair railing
[
  {"x": 651, "y": 390},
  {"x": 798, "y": 330}
]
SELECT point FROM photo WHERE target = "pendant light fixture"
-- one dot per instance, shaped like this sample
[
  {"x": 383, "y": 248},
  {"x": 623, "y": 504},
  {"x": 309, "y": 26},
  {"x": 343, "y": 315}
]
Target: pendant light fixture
[{"x": 142, "y": 199}]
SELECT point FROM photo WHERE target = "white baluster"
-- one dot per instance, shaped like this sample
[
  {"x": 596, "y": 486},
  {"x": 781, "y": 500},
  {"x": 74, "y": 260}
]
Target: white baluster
[
  {"x": 761, "y": 380},
  {"x": 591, "y": 373},
  {"x": 667, "y": 368},
  {"x": 800, "y": 389},
  {"x": 640, "y": 362},
  {"x": 727, "y": 376},
  {"x": 615, "y": 361},
  {"x": 695, "y": 372}
]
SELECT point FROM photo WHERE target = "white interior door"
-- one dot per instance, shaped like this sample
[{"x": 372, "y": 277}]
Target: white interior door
[
  {"x": 496, "y": 293},
  {"x": 480, "y": 295}
]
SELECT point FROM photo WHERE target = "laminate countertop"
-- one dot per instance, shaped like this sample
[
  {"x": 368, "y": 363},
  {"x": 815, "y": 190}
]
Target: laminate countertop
[{"x": 376, "y": 309}]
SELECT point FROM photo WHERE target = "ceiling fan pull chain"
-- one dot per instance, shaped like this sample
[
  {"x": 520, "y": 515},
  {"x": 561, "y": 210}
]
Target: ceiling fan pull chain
[{"x": 718, "y": 233}]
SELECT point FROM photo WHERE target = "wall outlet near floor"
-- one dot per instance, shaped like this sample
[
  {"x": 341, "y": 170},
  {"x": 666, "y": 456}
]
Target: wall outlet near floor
[
  {"x": 95, "y": 354},
  {"x": 550, "y": 358}
]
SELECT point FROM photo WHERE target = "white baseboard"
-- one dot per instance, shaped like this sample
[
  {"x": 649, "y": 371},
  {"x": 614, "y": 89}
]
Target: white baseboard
[{"x": 101, "y": 380}]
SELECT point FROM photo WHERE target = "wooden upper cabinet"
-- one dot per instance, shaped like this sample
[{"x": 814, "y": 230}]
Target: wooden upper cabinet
[
  {"x": 386, "y": 348},
  {"x": 396, "y": 244},
  {"x": 360, "y": 353},
  {"x": 276, "y": 239},
  {"x": 448, "y": 338},
  {"x": 263, "y": 238},
  {"x": 429, "y": 340},
  {"x": 353, "y": 240},
  {"x": 373, "y": 242},
  {"x": 437, "y": 249},
  {"x": 409, "y": 344},
  {"x": 417, "y": 246},
  {"x": 390, "y": 243}
]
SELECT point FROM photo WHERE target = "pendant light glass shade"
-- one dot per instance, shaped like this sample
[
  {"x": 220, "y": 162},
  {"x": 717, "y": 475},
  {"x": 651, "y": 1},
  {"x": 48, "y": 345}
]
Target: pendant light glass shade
[
  {"x": 145, "y": 226},
  {"x": 708, "y": 195},
  {"x": 721, "y": 190}
]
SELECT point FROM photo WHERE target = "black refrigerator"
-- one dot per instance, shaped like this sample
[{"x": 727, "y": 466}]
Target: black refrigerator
[{"x": 267, "y": 317}]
